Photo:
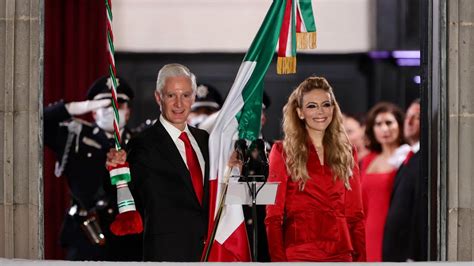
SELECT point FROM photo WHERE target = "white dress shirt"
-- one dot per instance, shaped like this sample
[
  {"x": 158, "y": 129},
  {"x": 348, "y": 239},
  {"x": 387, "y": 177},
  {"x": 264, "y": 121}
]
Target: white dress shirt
[{"x": 175, "y": 133}]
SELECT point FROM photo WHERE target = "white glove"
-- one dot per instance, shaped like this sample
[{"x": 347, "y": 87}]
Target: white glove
[{"x": 80, "y": 108}]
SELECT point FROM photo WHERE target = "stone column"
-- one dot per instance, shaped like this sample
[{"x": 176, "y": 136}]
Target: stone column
[
  {"x": 460, "y": 82},
  {"x": 21, "y": 221}
]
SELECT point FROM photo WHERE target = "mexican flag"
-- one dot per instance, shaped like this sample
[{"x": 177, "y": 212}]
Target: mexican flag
[
  {"x": 290, "y": 24},
  {"x": 239, "y": 118}
]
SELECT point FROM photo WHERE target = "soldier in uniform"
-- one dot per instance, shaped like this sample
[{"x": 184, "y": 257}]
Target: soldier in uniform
[
  {"x": 208, "y": 101},
  {"x": 81, "y": 149}
]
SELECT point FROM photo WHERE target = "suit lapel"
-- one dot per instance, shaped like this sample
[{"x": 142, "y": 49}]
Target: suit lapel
[{"x": 166, "y": 145}]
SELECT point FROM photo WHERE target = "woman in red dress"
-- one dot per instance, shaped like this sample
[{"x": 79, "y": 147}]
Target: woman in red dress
[
  {"x": 318, "y": 213},
  {"x": 384, "y": 131}
]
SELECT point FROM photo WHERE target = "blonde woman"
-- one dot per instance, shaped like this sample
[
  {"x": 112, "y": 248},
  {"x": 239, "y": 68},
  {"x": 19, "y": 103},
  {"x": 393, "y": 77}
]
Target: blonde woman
[{"x": 318, "y": 213}]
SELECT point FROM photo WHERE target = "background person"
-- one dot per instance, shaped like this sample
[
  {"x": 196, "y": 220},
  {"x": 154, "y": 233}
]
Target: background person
[
  {"x": 208, "y": 101},
  {"x": 384, "y": 130},
  {"x": 318, "y": 213},
  {"x": 411, "y": 128},
  {"x": 81, "y": 149},
  {"x": 405, "y": 232},
  {"x": 355, "y": 129}
]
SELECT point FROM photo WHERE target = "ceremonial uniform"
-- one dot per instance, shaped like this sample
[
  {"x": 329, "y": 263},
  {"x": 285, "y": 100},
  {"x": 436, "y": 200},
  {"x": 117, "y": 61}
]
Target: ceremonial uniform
[
  {"x": 81, "y": 149},
  {"x": 208, "y": 101}
]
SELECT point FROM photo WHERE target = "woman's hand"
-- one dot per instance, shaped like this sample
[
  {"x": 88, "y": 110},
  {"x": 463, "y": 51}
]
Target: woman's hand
[{"x": 234, "y": 161}]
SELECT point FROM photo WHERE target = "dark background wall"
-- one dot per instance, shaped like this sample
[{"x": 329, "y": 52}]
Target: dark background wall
[
  {"x": 398, "y": 25},
  {"x": 358, "y": 79}
]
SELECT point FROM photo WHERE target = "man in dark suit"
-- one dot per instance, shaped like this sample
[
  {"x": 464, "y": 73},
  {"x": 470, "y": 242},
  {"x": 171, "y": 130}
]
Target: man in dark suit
[
  {"x": 405, "y": 232},
  {"x": 169, "y": 168}
]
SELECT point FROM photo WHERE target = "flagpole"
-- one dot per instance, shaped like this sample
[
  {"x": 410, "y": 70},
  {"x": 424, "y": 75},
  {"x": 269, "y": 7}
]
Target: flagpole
[
  {"x": 218, "y": 217},
  {"x": 216, "y": 224}
]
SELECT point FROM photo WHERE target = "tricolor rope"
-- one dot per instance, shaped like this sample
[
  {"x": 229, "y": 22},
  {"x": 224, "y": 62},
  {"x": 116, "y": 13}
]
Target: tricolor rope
[
  {"x": 128, "y": 221},
  {"x": 113, "y": 72}
]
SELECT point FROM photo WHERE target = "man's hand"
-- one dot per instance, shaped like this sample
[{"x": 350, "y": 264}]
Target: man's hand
[
  {"x": 80, "y": 108},
  {"x": 115, "y": 157}
]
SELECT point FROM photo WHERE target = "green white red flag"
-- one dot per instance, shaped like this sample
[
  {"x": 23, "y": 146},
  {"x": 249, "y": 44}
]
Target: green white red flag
[{"x": 239, "y": 118}]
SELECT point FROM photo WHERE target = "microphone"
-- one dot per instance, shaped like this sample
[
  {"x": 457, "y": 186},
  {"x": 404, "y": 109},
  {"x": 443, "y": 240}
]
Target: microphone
[{"x": 254, "y": 158}]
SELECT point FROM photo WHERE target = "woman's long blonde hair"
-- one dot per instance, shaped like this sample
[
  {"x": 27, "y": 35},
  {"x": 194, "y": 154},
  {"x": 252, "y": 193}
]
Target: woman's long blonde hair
[{"x": 337, "y": 148}]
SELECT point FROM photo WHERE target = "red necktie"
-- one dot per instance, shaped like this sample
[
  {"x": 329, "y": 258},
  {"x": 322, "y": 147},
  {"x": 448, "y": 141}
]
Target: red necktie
[
  {"x": 409, "y": 155},
  {"x": 193, "y": 166}
]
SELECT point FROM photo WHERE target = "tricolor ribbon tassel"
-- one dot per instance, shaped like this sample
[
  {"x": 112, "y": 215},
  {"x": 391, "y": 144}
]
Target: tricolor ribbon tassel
[
  {"x": 306, "y": 40},
  {"x": 298, "y": 31},
  {"x": 305, "y": 25},
  {"x": 286, "y": 65},
  {"x": 128, "y": 221},
  {"x": 286, "y": 62}
]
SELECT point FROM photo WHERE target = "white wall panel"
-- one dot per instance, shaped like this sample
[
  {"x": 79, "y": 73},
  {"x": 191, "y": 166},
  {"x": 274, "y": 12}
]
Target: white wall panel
[{"x": 230, "y": 25}]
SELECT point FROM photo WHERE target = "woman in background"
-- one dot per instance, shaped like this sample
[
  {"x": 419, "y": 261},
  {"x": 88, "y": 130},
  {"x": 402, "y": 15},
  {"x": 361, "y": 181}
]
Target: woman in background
[
  {"x": 318, "y": 213},
  {"x": 355, "y": 129},
  {"x": 384, "y": 132}
]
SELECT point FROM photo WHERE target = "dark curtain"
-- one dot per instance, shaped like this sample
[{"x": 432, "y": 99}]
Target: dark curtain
[{"x": 74, "y": 56}]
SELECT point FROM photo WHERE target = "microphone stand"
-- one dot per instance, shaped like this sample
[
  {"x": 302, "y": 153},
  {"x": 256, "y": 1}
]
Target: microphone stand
[
  {"x": 252, "y": 181},
  {"x": 255, "y": 170},
  {"x": 254, "y": 219}
]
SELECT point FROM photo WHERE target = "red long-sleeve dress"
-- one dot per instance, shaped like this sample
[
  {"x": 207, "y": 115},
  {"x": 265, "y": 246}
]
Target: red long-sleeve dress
[{"x": 324, "y": 222}]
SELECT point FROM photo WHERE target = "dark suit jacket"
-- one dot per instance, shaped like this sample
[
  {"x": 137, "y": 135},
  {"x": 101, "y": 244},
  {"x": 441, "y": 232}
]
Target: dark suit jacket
[
  {"x": 175, "y": 224},
  {"x": 405, "y": 232}
]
